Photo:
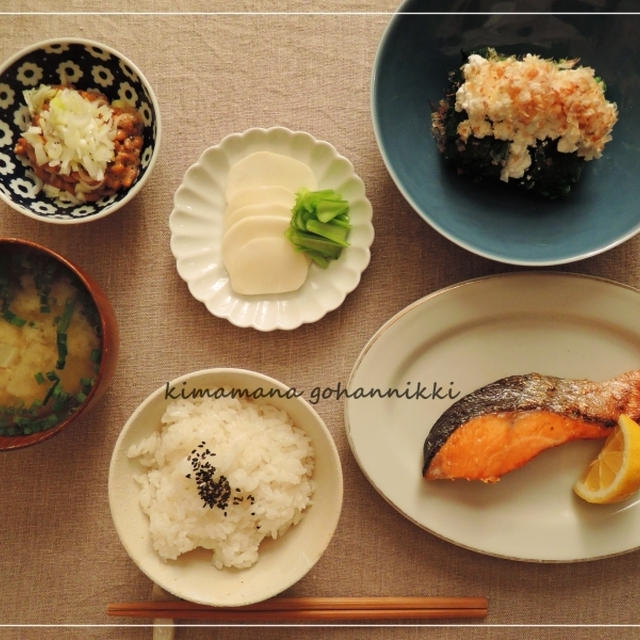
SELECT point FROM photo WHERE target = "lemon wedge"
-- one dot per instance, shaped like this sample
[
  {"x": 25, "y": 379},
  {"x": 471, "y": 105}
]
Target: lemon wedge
[{"x": 615, "y": 473}]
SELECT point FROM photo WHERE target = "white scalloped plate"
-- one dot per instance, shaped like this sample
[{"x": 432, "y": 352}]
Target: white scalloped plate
[{"x": 196, "y": 232}]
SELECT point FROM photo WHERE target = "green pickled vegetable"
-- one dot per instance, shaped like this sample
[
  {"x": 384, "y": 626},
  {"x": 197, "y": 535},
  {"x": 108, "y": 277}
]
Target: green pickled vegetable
[{"x": 319, "y": 225}]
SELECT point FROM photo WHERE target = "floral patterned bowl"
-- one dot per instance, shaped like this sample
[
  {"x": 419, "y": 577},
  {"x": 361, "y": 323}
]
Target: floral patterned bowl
[{"x": 83, "y": 64}]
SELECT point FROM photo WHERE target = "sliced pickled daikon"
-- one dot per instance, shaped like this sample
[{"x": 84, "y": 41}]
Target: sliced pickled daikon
[
  {"x": 265, "y": 168},
  {"x": 257, "y": 210},
  {"x": 259, "y": 259},
  {"x": 273, "y": 194}
]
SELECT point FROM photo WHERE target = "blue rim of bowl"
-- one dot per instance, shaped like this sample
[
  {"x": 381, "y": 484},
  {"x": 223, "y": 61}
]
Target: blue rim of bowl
[
  {"x": 137, "y": 186},
  {"x": 492, "y": 255}
]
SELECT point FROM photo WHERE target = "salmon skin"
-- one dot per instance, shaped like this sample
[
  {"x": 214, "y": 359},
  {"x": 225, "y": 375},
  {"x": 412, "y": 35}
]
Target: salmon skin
[{"x": 501, "y": 426}]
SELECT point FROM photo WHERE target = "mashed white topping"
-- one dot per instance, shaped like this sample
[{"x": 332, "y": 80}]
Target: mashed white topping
[{"x": 529, "y": 100}]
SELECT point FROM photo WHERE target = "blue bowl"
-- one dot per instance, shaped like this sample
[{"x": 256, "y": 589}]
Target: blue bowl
[
  {"x": 416, "y": 53},
  {"x": 85, "y": 64}
]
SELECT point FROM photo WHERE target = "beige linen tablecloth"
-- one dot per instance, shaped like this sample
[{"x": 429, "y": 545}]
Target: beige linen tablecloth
[{"x": 60, "y": 559}]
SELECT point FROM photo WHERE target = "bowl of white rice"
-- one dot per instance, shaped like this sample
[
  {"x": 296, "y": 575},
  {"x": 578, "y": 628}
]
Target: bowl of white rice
[{"x": 225, "y": 487}]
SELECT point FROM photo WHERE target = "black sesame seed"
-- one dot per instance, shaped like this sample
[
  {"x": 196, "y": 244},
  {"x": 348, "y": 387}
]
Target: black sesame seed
[{"x": 213, "y": 491}]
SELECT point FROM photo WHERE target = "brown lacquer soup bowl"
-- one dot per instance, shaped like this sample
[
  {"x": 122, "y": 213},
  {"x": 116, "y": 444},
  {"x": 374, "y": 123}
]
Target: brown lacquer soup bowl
[{"x": 58, "y": 343}]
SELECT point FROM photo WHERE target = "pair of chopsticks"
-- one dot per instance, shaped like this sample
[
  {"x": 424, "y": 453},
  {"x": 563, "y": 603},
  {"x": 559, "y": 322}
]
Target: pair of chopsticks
[{"x": 301, "y": 609}]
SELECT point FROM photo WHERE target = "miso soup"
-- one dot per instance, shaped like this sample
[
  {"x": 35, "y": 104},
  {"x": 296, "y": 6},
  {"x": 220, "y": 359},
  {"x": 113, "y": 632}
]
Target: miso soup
[{"x": 50, "y": 342}]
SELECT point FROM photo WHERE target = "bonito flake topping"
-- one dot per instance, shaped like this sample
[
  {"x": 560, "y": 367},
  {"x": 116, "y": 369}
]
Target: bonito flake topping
[{"x": 528, "y": 100}]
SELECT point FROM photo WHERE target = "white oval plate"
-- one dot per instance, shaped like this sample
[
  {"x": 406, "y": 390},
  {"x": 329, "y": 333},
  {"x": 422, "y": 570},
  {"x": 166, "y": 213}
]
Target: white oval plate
[
  {"x": 196, "y": 232},
  {"x": 460, "y": 339},
  {"x": 281, "y": 562}
]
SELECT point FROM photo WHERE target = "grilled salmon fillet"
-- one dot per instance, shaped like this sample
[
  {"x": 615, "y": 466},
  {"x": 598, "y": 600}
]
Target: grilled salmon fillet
[{"x": 503, "y": 425}]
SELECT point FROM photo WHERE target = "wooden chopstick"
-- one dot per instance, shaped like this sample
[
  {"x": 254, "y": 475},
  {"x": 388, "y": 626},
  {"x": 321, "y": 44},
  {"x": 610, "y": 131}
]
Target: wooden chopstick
[{"x": 287, "y": 609}]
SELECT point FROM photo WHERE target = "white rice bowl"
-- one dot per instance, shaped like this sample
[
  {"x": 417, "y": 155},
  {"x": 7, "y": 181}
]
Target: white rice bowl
[
  {"x": 223, "y": 474},
  {"x": 193, "y": 576}
]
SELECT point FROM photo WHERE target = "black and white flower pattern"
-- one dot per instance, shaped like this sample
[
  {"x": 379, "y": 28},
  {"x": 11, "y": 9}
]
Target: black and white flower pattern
[
  {"x": 127, "y": 93},
  {"x": 102, "y": 76},
  {"x": 146, "y": 113},
  {"x": 56, "y": 48},
  {"x": 29, "y": 74},
  {"x": 43, "y": 208},
  {"x": 7, "y": 165},
  {"x": 129, "y": 72},
  {"x": 6, "y": 134},
  {"x": 28, "y": 189},
  {"x": 69, "y": 72},
  {"x": 7, "y": 95},
  {"x": 98, "y": 53},
  {"x": 86, "y": 66}
]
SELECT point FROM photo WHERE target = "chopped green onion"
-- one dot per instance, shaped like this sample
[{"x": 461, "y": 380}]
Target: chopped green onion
[
  {"x": 12, "y": 318},
  {"x": 61, "y": 343},
  {"x": 65, "y": 318},
  {"x": 52, "y": 388},
  {"x": 62, "y": 326},
  {"x": 60, "y": 398}
]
